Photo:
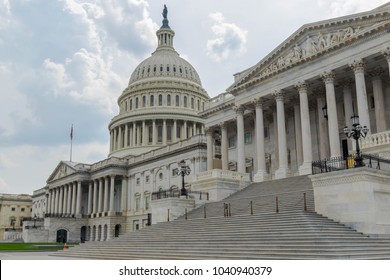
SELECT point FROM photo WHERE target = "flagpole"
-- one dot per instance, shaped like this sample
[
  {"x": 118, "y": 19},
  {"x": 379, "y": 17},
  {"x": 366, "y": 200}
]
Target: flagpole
[{"x": 71, "y": 142}]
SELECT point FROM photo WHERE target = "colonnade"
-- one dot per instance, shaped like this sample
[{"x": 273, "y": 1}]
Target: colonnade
[
  {"x": 152, "y": 132},
  {"x": 66, "y": 200},
  {"x": 328, "y": 130}
]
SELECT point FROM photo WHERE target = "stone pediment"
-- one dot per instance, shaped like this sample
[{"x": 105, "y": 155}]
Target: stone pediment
[
  {"x": 312, "y": 41},
  {"x": 65, "y": 168}
]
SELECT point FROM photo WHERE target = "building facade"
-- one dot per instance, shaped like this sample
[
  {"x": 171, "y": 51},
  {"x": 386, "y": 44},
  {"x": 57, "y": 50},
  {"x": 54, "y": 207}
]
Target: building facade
[
  {"x": 269, "y": 124},
  {"x": 14, "y": 209}
]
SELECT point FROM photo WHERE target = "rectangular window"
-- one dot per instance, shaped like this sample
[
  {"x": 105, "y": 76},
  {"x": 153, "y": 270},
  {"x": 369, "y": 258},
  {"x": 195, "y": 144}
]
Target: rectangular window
[
  {"x": 169, "y": 133},
  {"x": 22, "y": 209},
  {"x": 248, "y": 137},
  {"x": 266, "y": 132},
  {"x": 178, "y": 131},
  {"x": 232, "y": 141},
  {"x": 159, "y": 133},
  {"x": 13, "y": 209},
  {"x": 138, "y": 181},
  {"x": 147, "y": 202},
  {"x": 137, "y": 203},
  {"x": 150, "y": 134},
  {"x": 174, "y": 172},
  {"x": 147, "y": 178}
]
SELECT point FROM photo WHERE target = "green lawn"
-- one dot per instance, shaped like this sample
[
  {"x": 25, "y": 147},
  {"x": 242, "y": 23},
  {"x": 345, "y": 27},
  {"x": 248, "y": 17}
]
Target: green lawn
[{"x": 32, "y": 246}]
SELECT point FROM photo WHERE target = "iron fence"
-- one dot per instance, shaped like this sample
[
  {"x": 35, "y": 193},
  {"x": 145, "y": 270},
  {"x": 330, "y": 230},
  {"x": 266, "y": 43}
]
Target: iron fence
[
  {"x": 342, "y": 163},
  {"x": 176, "y": 193}
]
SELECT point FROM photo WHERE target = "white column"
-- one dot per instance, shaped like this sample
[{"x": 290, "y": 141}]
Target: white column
[
  {"x": 74, "y": 192},
  {"x": 100, "y": 196},
  {"x": 112, "y": 193},
  {"x": 79, "y": 198},
  {"x": 90, "y": 191},
  {"x": 134, "y": 134},
  {"x": 261, "y": 174},
  {"x": 115, "y": 143},
  {"x": 64, "y": 207},
  {"x": 124, "y": 194},
  {"x": 283, "y": 170},
  {"x": 240, "y": 139},
  {"x": 348, "y": 107},
  {"x": 209, "y": 135},
  {"x": 56, "y": 200},
  {"x": 60, "y": 200},
  {"x": 386, "y": 54},
  {"x": 323, "y": 137},
  {"x": 131, "y": 143},
  {"x": 194, "y": 129},
  {"x": 154, "y": 133},
  {"x": 298, "y": 132},
  {"x": 361, "y": 93},
  {"x": 139, "y": 138},
  {"x": 95, "y": 197},
  {"x": 105, "y": 197},
  {"x": 185, "y": 130},
  {"x": 144, "y": 138},
  {"x": 111, "y": 140},
  {"x": 48, "y": 204},
  {"x": 333, "y": 126},
  {"x": 69, "y": 200},
  {"x": 174, "y": 131},
  {"x": 126, "y": 138},
  {"x": 120, "y": 136},
  {"x": 164, "y": 132},
  {"x": 224, "y": 146},
  {"x": 379, "y": 100},
  {"x": 305, "y": 168}
]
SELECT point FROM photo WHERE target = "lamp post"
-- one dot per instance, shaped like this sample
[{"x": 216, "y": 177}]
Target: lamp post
[
  {"x": 356, "y": 132},
  {"x": 183, "y": 171},
  {"x": 35, "y": 219}
]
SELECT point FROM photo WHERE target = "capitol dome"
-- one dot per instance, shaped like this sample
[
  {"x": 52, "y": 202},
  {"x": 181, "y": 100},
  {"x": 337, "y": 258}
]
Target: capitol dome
[
  {"x": 163, "y": 63},
  {"x": 161, "y": 104}
]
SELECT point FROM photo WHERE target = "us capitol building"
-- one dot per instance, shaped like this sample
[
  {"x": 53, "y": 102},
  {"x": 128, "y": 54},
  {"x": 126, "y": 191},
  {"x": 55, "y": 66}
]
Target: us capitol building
[{"x": 278, "y": 116}]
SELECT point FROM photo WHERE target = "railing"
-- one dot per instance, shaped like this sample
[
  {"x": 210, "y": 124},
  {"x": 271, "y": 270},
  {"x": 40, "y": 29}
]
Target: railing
[
  {"x": 342, "y": 163},
  {"x": 374, "y": 140},
  {"x": 176, "y": 193}
]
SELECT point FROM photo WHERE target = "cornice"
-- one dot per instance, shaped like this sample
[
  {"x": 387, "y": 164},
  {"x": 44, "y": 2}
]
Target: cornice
[{"x": 271, "y": 66}]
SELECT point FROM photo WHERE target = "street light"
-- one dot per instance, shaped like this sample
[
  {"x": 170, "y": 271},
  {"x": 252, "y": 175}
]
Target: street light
[
  {"x": 183, "y": 171},
  {"x": 356, "y": 132},
  {"x": 35, "y": 219}
]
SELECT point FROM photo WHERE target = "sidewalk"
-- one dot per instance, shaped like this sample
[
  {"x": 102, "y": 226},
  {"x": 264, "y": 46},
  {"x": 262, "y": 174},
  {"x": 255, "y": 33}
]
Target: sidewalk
[{"x": 33, "y": 255}]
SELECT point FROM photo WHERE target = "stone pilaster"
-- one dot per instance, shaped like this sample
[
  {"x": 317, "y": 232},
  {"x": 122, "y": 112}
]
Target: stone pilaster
[
  {"x": 224, "y": 145},
  {"x": 261, "y": 173}
]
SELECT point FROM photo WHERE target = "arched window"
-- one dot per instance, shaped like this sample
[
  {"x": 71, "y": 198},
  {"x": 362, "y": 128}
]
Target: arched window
[
  {"x": 152, "y": 100},
  {"x": 160, "y": 100},
  {"x": 131, "y": 104},
  {"x": 136, "y": 103},
  {"x": 185, "y": 101},
  {"x": 143, "y": 101},
  {"x": 192, "y": 103},
  {"x": 177, "y": 101},
  {"x": 159, "y": 133},
  {"x": 198, "y": 105},
  {"x": 169, "y": 100}
]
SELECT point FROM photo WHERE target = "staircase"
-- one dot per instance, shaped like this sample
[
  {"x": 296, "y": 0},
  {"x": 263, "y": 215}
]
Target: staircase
[{"x": 291, "y": 233}]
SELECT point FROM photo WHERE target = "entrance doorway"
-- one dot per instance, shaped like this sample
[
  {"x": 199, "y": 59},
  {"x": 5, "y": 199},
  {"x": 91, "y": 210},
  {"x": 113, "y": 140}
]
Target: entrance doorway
[
  {"x": 117, "y": 230},
  {"x": 62, "y": 236},
  {"x": 83, "y": 234}
]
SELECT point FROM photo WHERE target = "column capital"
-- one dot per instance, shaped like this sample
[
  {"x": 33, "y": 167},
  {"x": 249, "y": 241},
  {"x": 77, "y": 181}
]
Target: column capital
[
  {"x": 302, "y": 86},
  {"x": 386, "y": 53},
  {"x": 358, "y": 66},
  {"x": 239, "y": 109},
  {"x": 377, "y": 73},
  {"x": 208, "y": 130},
  {"x": 223, "y": 125},
  {"x": 258, "y": 102},
  {"x": 279, "y": 95},
  {"x": 328, "y": 77}
]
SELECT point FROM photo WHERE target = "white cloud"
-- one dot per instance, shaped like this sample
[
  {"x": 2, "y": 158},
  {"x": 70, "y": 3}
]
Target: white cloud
[
  {"x": 339, "y": 8},
  {"x": 229, "y": 38}
]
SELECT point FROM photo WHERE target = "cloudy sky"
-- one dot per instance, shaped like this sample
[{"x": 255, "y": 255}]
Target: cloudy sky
[{"x": 65, "y": 62}]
